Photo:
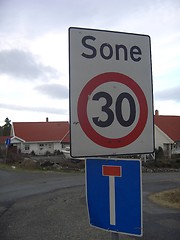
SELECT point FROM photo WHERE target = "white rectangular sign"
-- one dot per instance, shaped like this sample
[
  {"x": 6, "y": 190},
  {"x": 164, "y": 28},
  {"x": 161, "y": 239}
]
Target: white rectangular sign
[{"x": 111, "y": 100}]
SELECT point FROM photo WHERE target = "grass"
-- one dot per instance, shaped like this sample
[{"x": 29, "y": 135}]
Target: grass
[
  {"x": 64, "y": 167},
  {"x": 168, "y": 198},
  {"x": 5, "y": 166},
  {"x": 15, "y": 167}
]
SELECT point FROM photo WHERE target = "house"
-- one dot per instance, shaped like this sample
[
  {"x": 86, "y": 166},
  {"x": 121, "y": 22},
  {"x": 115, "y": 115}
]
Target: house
[
  {"x": 40, "y": 137},
  {"x": 167, "y": 133},
  {"x": 43, "y": 137}
]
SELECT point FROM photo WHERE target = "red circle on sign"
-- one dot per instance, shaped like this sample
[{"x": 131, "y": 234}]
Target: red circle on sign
[{"x": 83, "y": 117}]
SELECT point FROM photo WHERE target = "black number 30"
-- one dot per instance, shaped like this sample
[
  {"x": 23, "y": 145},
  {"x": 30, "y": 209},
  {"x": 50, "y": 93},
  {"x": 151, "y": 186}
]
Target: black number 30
[{"x": 118, "y": 109}]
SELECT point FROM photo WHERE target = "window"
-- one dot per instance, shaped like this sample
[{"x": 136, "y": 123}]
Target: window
[{"x": 26, "y": 147}]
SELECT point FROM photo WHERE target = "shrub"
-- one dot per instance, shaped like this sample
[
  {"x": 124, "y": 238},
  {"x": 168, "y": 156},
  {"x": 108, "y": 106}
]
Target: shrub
[
  {"x": 159, "y": 152},
  {"x": 57, "y": 152},
  {"x": 48, "y": 153},
  {"x": 33, "y": 153}
]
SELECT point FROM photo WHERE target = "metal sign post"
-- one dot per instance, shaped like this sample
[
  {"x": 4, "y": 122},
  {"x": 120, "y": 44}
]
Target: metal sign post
[
  {"x": 7, "y": 142},
  {"x": 117, "y": 236},
  {"x": 6, "y": 153},
  {"x": 114, "y": 236}
]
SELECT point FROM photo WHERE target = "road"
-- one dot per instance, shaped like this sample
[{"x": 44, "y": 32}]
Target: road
[
  {"x": 15, "y": 185},
  {"x": 51, "y": 206}
]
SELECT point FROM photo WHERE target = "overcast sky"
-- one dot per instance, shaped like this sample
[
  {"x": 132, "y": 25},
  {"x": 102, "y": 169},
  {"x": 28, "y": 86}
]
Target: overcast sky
[{"x": 34, "y": 51}]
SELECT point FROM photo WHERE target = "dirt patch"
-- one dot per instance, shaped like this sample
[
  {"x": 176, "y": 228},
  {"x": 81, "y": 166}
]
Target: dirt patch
[
  {"x": 169, "y": 198},
  {"x": 30, "y": 164}
]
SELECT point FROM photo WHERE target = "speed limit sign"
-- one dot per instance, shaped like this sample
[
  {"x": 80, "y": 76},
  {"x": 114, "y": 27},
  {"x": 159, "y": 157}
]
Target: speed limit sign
[{"x": 111, "y": 103}]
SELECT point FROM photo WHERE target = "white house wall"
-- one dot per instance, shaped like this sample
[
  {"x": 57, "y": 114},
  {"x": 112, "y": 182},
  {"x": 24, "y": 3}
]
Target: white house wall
[
  {"x": 176, "y": 148},
  {"x": 40, "y": 148},
  {"x": 161, "y": 138},
  {"x": 16, "y": 140},
  {"x": 57, "y": 146},
  {"x": 33, "y": 147}
]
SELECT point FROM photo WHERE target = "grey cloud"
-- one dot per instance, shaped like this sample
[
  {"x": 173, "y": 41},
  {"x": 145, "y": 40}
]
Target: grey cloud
[
  {"x": 169, "y": 94},
  {"x": 23, "y": 65},
  {"x": 53, "y": 90},
  {"x": 37, "y": 17},
  {"x": 35, "y": 109}
]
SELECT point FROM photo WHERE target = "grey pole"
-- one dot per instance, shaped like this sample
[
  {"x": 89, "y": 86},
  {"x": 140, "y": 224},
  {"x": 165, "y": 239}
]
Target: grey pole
[
  {"x": 117, "y": 236},
  {"x": 6, "y": 153},
  {"x": 114, "y": 236}
]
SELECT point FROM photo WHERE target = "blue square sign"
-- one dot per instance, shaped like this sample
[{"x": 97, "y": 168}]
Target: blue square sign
[{"x": 114, "y": 195}]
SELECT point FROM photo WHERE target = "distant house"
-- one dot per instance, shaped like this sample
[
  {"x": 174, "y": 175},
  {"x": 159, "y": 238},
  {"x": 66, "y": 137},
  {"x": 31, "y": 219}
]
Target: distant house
[
  {"x": 43, "y": 137},
  {"x": 167, "y": 133},
  {"x": 40, "y": 137}
]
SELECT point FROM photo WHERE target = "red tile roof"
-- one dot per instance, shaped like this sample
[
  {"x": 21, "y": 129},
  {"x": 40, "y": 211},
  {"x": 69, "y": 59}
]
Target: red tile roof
[
  {"x": 41, "y": 131},
  {"x": 170, "y": 125}
]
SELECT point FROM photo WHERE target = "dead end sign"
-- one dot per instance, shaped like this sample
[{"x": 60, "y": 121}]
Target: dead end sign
[
  {"x": 114, "y": 195},
  {"x": 111, "y": 102}
]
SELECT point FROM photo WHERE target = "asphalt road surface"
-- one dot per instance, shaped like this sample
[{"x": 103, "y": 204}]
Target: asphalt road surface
[{"x": 51, "y": 206}]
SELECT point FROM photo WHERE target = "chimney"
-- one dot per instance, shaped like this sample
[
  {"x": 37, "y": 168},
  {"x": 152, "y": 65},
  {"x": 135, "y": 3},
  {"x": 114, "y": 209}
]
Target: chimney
[
  {"x": 47, "y": 120},
  {"x": 156, "y": 113}
]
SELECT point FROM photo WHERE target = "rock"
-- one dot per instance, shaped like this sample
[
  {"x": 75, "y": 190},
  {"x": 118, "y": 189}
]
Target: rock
[
  {"x": 30, "y": 163},
  {"x": 47, "y": 163}
]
